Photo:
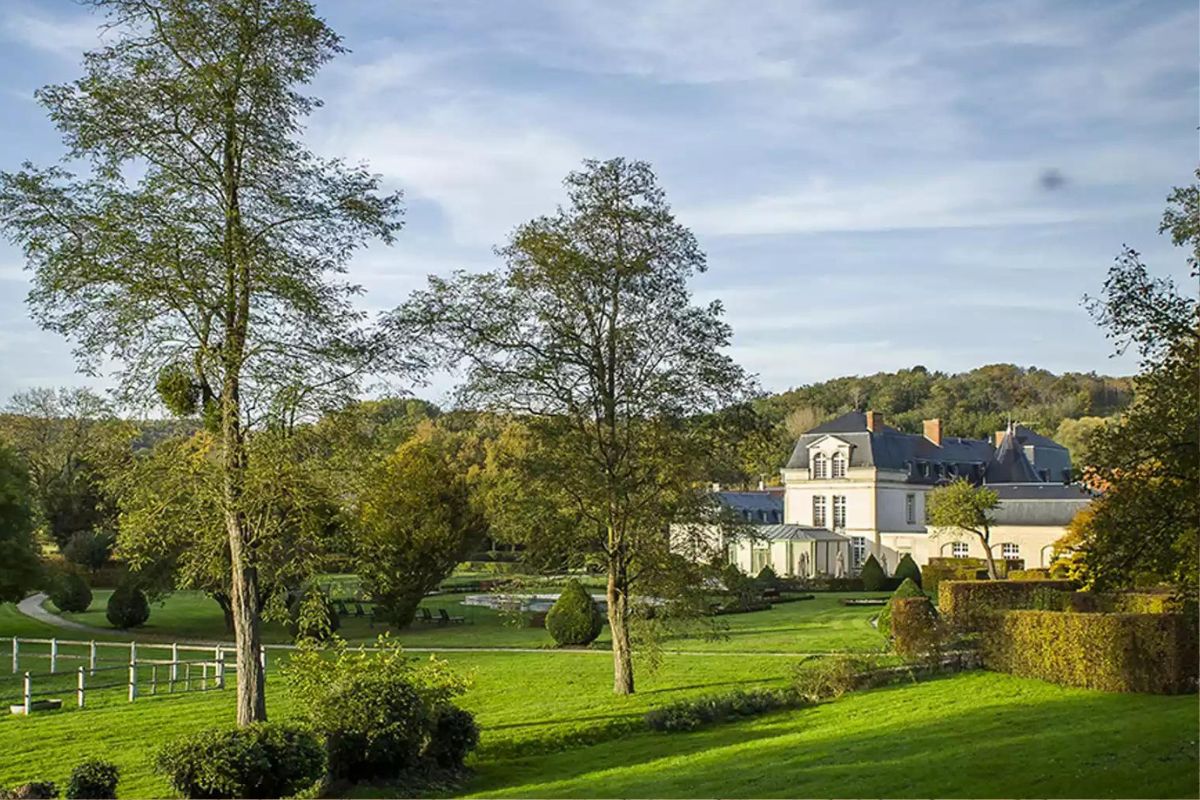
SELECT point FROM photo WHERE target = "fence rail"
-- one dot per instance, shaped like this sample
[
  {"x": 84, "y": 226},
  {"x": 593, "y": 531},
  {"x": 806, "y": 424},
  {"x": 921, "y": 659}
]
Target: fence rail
[{"x": 132, "y": 670}]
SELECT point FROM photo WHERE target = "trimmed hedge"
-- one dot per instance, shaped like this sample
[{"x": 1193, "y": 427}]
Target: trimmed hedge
[
  {"x": 127, "y": 607},
  {"x": 951, "y": 569},
  {"x": 1141, "y": 603},
  {"x": 909, "y": 588},
  {"x": 70, "y": 593},
  {"x": 688, "y": 715},
  {"x": 873, "y": 577},
  {"x": 1154, "y": 653},
  {"x": 917, "y": 632},
  {"x": 1036, "y": 574},
  {"x": 907, "y": 569},
  {"x": 966, "y": 604},
  {"x": 574, "y": 619}
]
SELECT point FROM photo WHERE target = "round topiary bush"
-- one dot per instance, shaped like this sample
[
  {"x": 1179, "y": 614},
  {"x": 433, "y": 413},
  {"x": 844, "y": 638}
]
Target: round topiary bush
[
  {"x": 906, "y": 589},
  {"x": 907, "y": 568},
  {"x": 872, "y": 575},
  {"x": 574, "y": 619},
  {"x": 266, "y": 759},
  {"x": 127, "y": 607},
  {"x": 93, "y": 779},
  {"x": 70, "y": 593}
]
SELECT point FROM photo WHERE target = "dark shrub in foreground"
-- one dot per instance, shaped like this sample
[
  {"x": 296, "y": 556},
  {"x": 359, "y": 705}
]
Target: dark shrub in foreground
[
  {"x": 35, "y": 790},
  {"x": 687, "y": 715},
  {"x": 93, "y": 779},
  {"x": 454, "y": 734},
  {"x": 574, "y": 619},
  {"x": 266, "y": 760},
  {"x": 71, "y": 593},
  {"x": 127, "y": 607},
  {"x": 381, "y": 713}
]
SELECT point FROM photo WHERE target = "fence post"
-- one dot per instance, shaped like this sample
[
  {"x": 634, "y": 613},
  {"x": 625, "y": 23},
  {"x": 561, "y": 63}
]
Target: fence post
[
  {"x": 133, "y": 692},
  {"x": 53, "y": 655},
  {"x": 79, "y": 687},
  {"x": 262, "y": 652},
  {"x": 221, "y": 672},
  {"x": 28, "y": 699},
  {"x": 174, "y": 663},
  {"x": 16, "y": 656},
  {"x": 132, "y": 651},
  {"x": 92, "y": 657}
]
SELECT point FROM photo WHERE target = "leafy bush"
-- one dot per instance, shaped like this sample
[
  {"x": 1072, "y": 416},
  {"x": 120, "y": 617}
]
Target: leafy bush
[
  {"x": 89, "y": 549},
  {"x": 378, "y": 711},
  {"x": 127, "y": 607},
  {"x": 70, "y": 593},
  {"x": 1112, "y": 652},
  {"x": 265, "y": 759},
  {"x": 574, "y": 619},
  {"x": 908, "y": 588},
  {"x": 93, "y": 779},
  {"x": 874, "y": 579},
  {"x": 767, "y": 579},
  {"x": 830, "y": 677},
  {"x": 35, "y": 790},
  {"x": 917, "y": 632},
  {"x": 1037, "y": 574},
  {"x": 687, "y": 715},
  {"x": 907, "y": 569},
  {"x": 454, "y": 734},
  {"x": 966, "y": 604},
  {"x": 1142, "y": 603},
  {"x": 311, "y": 615}
]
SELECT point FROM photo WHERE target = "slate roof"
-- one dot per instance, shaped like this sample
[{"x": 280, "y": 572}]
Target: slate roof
[
  {"x": 1028, "y": 437},
  {"x": 796, "y": 533},
  {"x": 757, "y": 507},
  {"x": 1038, "y": 503},
  {"x": 1009, "y": 464}
]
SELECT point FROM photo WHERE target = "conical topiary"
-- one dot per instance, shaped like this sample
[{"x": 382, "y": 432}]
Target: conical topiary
[
  {"x": 574, "y": 619},
  {"x": 908, "y": 588},
  {"x": 908, "y": 569},
  {"x": 873, "y": 577}
]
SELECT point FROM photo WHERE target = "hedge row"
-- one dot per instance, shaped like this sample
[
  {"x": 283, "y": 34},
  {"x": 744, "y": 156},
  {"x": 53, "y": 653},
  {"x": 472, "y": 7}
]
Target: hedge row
[
  {"x": 966, "y": 604},
  {"x": 1035, "y": 574},
  {"x": 1113, "y": 652}
]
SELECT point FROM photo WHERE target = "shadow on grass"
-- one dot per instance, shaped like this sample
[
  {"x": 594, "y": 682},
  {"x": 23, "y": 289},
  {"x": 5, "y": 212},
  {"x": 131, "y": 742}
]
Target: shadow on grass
[{"x": 1050, "y": 744}]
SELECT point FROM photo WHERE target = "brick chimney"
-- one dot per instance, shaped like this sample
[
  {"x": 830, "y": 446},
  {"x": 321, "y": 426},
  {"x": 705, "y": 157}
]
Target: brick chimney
[
  {"x": 933, "y": 431},
  {"x": 874, "y": 421}
]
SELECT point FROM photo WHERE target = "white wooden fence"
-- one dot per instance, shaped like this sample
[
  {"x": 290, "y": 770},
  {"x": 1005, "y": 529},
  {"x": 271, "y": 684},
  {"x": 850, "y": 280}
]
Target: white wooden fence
[{"x": 136, "y": 669}]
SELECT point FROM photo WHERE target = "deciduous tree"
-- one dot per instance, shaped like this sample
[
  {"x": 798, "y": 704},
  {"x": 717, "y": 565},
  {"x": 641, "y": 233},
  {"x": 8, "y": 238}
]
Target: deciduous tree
[
  {"x": 19, "y": 566},
  {"x": 589, "y": 331},
  {"x": 961, "y": 507},
  {"x": 203, "y": 251}
]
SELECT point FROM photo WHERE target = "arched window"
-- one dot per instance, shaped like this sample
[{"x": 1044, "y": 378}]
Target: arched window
[
  {"x": 839, "y": 465},
  {"x": 820, "y": 466}
]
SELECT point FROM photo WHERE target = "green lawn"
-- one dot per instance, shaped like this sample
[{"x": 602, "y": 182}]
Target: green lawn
[
  {"x": 818, "y": 625},
  {"x": 551, "y": 728},
  {"x": 974, "y": 735}
]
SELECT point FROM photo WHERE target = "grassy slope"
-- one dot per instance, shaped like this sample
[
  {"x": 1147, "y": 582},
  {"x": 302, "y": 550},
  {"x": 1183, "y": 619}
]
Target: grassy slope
[
  {"x": 975, "y": 735},
  {"x": 820, "y": 624}
]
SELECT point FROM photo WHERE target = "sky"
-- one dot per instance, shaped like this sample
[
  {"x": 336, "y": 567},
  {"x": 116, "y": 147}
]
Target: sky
[{"x": 876, "y": 185}]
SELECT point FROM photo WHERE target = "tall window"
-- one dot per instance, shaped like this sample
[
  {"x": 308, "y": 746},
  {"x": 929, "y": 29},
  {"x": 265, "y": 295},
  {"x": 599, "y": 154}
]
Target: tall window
[
  {"x": 910, "y": 509},
  {"x": 1010, "y": 550},
  {"x": 760, "y": 556},
  {"x": 858, "y": 550},
  {"x": 839, "y": 512},
  {"x": 732, "y": 551},
  {"x": 958, "y": 549},
  {"x": 818, "y": 511},
  {"x": 820, "y": 466},
  {"x": 839, "y": 465}
]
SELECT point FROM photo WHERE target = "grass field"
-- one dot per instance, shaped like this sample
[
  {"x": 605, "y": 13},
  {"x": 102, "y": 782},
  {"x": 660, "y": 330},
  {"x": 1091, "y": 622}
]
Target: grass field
[
  {"x": 818, "y": 625},
  {"x": 551, "y": 728}
]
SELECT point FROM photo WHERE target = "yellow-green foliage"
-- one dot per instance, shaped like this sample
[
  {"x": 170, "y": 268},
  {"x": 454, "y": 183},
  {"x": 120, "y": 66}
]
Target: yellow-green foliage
[
  {"x": 1112, "y": 652},
  {"x": 1036, "y": 574},
  {"x": 1141, "y": 603},
  {"x": 917, "y": 633},
  {"x": 967, "y": 603},
  {"x": 951, "y": 569}
]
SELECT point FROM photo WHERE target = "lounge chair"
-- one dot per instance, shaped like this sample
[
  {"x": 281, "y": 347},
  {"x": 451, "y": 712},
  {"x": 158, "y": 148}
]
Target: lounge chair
[
  {"x": 446, "y": 619},
  {"x": 423, "y": 615}
]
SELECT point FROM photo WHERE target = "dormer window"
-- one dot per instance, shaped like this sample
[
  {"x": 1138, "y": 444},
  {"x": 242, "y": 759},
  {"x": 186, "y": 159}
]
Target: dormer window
[
  {"x": 820, "y": 466},
  {"x": 838, "y": 463}
]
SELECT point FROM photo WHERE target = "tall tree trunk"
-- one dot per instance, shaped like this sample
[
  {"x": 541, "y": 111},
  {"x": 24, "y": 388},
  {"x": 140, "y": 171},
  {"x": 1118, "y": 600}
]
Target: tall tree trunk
[
  {"x": 226, "y": 604},
  {"x": 993, "y": 573},
  {"x": 618, "y": 625}
]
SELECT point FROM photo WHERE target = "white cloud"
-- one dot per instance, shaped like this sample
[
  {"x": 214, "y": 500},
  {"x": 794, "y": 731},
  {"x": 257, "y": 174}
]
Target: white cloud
[{"x": 63, "y": 37}]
